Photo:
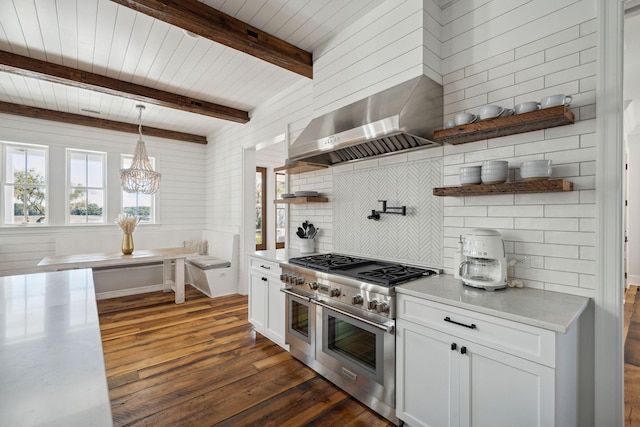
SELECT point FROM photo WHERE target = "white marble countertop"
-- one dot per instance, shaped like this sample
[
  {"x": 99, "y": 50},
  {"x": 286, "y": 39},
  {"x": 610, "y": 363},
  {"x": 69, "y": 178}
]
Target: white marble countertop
[
  {"x": 545, "y": 309},
  {"x": 279, "y": 255},
  {"x": 52, "y": 369}
]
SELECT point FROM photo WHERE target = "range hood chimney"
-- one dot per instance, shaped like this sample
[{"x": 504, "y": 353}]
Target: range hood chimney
[{"x": 400, "y": 118}]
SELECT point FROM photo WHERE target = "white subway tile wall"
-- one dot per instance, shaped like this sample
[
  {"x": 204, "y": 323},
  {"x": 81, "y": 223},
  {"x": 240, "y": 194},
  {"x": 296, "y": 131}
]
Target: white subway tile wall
[{"x": 502, "y": 52}]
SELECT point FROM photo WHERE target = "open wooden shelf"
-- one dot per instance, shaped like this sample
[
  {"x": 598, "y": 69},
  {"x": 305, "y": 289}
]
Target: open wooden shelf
[
  {"x": 294, "y": 200},
  {"x": 300, "y": 167},
  {"x": 503, "y": 126},
  {"x": 540, "y": 186}
]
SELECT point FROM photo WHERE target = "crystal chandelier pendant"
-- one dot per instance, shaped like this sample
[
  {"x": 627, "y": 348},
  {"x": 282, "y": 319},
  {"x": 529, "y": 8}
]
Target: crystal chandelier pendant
[{"x": 140, "y": 177}]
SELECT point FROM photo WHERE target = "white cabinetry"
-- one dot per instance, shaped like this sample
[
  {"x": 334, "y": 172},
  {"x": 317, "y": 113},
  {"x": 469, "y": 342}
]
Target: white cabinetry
[
  {"x": 266, "y": 302},
  {"x": 461, "y": 368}
]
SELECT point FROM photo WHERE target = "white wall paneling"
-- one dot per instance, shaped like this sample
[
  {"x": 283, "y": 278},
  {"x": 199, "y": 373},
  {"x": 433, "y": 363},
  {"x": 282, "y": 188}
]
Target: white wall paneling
[{"x": 181, "y": 204}]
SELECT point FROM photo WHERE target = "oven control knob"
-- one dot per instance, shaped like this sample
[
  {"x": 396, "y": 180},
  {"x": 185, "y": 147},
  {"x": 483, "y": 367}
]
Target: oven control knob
[
  {"x": 372, "y": 304},
  {"x": 313, "y": 285},
  {"x": 356, "y": 299},
  {"x": 383, "y": 307},
  {"x": 283, "y": 277},
  {"x": 335, "y": 292},
  {"x": 300, "y": 281}
]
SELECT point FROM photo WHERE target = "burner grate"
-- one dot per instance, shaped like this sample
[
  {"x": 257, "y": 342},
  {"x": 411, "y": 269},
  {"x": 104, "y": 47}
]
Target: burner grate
[
  {"x": 328, "y": 262},
  {"x": 394, "y": 274}
]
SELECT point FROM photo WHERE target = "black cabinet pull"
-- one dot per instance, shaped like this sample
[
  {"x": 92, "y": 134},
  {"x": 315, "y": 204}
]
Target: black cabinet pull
[
  {"x": 471, "y": 326},
  {"x": 266, "y": 266},
  {"x": 264, "y": 279},
  {"x": 463, "y": 350},
  {"x": 454, "y": 346}
]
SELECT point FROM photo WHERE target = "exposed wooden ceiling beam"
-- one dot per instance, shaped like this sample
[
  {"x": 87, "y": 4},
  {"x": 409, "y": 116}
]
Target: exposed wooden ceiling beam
[
  {"x": 200, "y": 19},
  {"x": 34, "y": 68},
  {"x": 76, "y": 119}
]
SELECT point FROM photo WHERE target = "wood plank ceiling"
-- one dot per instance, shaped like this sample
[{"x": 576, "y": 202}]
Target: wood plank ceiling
[{"x": 111, "y": 40}]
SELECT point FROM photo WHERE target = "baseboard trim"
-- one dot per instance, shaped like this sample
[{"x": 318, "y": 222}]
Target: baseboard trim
[
  {"x": 131, "y": 291},
  {"x": 633, "y": 280}
]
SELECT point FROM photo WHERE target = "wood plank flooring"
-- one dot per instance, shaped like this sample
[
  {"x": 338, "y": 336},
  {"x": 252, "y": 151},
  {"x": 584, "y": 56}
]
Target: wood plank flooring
[
  {"x": 202, "y": 364},
  {"x": 632, "y": 357}
]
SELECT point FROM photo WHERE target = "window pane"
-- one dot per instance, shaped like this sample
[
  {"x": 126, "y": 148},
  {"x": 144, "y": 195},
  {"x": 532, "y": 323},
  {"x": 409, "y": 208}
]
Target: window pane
[
  {"x": 86, "y": 187},
  {"x": 95, "y": 165},
  {"x": 36, "y": 161},
  {"x": 78, "y": 170},
  {"x": 15, "y": 200},
  {"x": 25, "y": 186},
  {"x": 142, "y": 205}
]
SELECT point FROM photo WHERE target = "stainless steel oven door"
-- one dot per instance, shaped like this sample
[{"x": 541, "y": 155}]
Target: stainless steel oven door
[
  {"x": 301, "y": 325},
  {"x": 360, "y": 356}
]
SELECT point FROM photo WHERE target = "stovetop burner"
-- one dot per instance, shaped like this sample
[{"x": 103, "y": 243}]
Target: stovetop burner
[
  {"x": 394, "y": 274},
  {"x": 379, "y": 272},
  {"x": 328, "y": 262}
]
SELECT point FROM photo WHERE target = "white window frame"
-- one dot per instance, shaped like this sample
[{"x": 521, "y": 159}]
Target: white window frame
[
  {"x": 153, "y": 217},
  {"x": 4, "y": 145},
  {"x": 68, "y": 186}
]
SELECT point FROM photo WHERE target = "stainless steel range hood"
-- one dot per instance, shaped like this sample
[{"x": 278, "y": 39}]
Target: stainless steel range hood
[{"x": 397, "y": 119}]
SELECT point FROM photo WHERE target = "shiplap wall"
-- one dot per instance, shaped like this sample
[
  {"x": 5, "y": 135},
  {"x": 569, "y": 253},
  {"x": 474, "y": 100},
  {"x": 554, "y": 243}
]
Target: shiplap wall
[
  {"x": 180, "y": 199},
  {"x": 488, "y": 52}
]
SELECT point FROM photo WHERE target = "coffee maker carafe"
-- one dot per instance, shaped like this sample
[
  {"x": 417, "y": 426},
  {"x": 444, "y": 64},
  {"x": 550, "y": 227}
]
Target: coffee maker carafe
[{"x": 484, "y": 260}]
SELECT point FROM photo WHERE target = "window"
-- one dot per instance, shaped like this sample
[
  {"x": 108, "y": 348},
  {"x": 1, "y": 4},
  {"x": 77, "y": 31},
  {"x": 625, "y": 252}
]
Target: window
[
  {"x": 261, "y": 211},
  {"x": 142, "y": 205},
  {"x": 86, "y": 187},
  {"x": 25, "y": 184},
  {"x": 280, "y": 211}
]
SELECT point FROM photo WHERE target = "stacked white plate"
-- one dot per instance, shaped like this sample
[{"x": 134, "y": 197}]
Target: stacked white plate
[
  {"x": 532, "y": 170},
  {"x": 288, "y": 196},
  {"x": 494, "y": 171}
]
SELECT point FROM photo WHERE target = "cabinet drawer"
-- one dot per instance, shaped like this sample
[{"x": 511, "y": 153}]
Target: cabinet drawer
[
  {"x": 529, "y": 342},
  {"x": 267, "y": 267}
]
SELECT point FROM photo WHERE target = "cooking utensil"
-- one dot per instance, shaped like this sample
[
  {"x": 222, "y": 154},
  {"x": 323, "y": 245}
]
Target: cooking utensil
[
  {"x": 300, "y": 233},
  {"x": 311, "y": 231}
]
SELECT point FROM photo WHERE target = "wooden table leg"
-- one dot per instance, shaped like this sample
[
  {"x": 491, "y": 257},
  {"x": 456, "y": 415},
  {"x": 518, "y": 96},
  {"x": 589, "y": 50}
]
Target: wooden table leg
[{"x": 179, "y": 282}]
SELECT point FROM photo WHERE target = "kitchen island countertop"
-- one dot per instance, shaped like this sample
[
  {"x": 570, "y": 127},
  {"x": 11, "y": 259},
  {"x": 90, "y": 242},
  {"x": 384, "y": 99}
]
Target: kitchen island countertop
[
  {"x": 555, "y": 311},
  {"x": 51, "y": 360}
]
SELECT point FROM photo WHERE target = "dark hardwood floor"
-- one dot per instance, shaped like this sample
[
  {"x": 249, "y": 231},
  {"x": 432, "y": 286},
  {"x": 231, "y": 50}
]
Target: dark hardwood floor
[
  {"x": 202, "y": 364},
  {"x": 632, "y": 357}
]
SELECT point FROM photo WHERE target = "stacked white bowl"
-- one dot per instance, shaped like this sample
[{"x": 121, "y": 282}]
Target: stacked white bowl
[
  {"x": 494, "y": 171},
  {"x": 535, "y": 169},
  {"x": 470, "y": 175}
]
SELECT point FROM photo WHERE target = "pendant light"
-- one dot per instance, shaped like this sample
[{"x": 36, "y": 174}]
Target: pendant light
[{"x": 140, "y": 177}]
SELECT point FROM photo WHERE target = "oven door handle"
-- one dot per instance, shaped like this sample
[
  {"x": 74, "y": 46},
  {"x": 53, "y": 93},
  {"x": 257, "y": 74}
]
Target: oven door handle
[
  {"x": 387, "y": 327},
  {"x": 287, "y": 291}
]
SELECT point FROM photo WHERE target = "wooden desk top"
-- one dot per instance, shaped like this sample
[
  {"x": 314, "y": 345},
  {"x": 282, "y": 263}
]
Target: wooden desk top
[{"x": 107, "y": 259}]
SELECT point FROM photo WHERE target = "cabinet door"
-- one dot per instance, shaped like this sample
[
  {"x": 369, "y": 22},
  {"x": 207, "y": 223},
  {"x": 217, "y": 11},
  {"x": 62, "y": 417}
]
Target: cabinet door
[
  {"x": 276, "y": 321},
  {"x": 258, "y": 284},
  {"x": 504, "y": 390},
  {"x": 426, "y": 376}
]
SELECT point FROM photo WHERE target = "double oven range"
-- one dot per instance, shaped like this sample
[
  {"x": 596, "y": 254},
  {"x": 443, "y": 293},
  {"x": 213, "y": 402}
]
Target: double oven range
[{"x": 340, "y": 313}]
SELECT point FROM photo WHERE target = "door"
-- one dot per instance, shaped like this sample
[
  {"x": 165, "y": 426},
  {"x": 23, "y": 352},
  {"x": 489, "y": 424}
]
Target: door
[
  {"x": 275, "y": 311},
  {"x": 258, "y": 300},
  {"x": 504, "y": 390},
  {"x": 426, "y": 376}
]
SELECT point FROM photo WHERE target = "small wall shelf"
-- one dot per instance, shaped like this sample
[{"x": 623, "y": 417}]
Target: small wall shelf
[
  {"x": 300, "y": 167},
  {"x": 541, "y": 186},
  {"x": 294, "y": 200},
  {"x": 503, "y": 126}
]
